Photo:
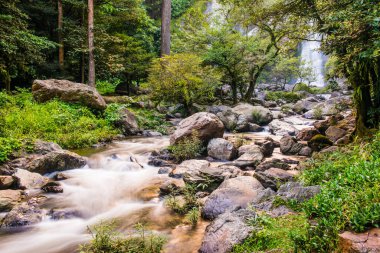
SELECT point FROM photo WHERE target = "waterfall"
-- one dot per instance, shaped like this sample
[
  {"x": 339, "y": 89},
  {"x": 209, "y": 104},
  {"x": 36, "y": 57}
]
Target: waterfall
[{"x": 312, "y": 57}]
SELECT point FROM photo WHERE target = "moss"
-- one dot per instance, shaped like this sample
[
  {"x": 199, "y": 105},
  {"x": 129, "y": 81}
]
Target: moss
[{"x": 319, "y": 142}]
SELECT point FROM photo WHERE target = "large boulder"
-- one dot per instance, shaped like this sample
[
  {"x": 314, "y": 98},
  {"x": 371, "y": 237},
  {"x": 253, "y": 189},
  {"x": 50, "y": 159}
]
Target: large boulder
[
  {"x": 249, "y": 156},
  {"x": 290, "y": 146},
  {"x": 319, "y": 142},
  {"x": 296, "y": 191},
  {"x": 281, "y": 128},
  {"x": 307, "y": 134},
  {"x": 9, "y": 198},
  {"x": 24, "y": 214},
  {"x": 221, "y": 149},
  {"x": 45, "y": 90},
  {"x": 231, "y": 194},
  {"x": 127, "y": 122},
  {"x": 366, "y": 242},
  {"x": 233, "y": 121},
  {"x": 335, "y": 133},
  {"x": 29, "y": 180},
  {"x": 305, "y": 105},
  {"x": 206, "y": 125},
  {"x": 189, "y": 167},
  {"x": 272, "y": 177},
  {"x": 255, "y": 114},
  {"x": 226, "y": 231},
  {"x": 6, "y": 182},
  {"x": 56, "y": 161}
]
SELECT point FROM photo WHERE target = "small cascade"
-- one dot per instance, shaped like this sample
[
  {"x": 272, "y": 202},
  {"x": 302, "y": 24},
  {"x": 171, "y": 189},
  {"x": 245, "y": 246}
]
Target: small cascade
[{"x": 312, "y": 57}]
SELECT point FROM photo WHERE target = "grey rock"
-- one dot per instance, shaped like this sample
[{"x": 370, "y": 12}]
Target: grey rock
[{"x": 221, "y": 149}]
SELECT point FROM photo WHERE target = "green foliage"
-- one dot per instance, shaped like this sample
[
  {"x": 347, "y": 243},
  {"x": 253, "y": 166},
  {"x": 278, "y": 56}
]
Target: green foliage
[
  {"x": 180, "y": 6},
  {"x": 106, "y": 87},
  {"x": 192, "y": 216},
  {"x": 342, "y": 205},
  {"x": 188, "y": 148},
  {"x": 7, "y": 147},
  {"x": 151, "y": 120},
  {"x": 107, "y": 240},
  {"x": 289, "y": 97},
  {"x": 318, "y": 113},
  {"x": 273, "y": 234},
  {"x": 71, "y": 126},
  {"x": 181, "y": 78}
]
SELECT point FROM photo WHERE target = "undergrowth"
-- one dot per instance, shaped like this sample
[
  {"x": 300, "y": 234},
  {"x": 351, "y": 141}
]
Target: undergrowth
[{"x": 106, "y": 239}]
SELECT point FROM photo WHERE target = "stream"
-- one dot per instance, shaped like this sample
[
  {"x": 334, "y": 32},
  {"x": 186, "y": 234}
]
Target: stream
[{"x": 117, "y": 184}]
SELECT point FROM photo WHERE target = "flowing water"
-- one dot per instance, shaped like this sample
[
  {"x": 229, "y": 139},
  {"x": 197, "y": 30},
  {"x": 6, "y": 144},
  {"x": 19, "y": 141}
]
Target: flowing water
[{"x": 117, "y": 184}]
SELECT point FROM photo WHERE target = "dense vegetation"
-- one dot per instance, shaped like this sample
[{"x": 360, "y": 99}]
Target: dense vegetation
[{"x": 349, "y": 200}]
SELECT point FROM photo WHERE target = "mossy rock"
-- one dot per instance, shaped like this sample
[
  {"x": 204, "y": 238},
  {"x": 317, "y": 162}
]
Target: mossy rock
[{"x": 319, "y": 142}]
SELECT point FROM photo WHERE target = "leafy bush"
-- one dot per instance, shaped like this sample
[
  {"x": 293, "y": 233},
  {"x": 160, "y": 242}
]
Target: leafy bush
[
  {"x": 318, "y": 113},
  {"x": 349, "y": 199},
  {"x": 272, "y": 234},
  {"x": 181, "y": 78},
  {"x": 107, "y": 240},
  {"x": 289, "y": 97},
  {"x": 7, "y": 147},
  {"x": 151, "y": 120},
  {"x": 188, "y": 148},
  {"x": 71, "y": 126},
  {"x": 192, "y": 216},
  {"x": 106, "y": 87},
  {"x": 180, "y": 6}
]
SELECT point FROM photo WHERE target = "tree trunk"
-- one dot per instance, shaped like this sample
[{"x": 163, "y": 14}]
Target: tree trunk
[
  {"x": 91, "y": 60},
  {"x": 165, "y": 27},
  {"x": 252, "y": 83},
  {"x": 234, "y": 91},
  {"x": 61, "y": 52}
]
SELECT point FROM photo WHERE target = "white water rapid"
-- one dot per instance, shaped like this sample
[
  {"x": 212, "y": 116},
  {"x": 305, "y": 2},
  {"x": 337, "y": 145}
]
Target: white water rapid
[{"x": 116, "y": 184}]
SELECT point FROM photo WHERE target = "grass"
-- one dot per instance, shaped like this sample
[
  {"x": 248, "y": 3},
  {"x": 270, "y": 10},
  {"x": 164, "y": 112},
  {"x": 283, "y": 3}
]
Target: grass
[
  {"x": 288, "y": 97},
  {"x": 349, "y": 200},
  {"x": 273, "y": 234},
  {"x": 71, "y": 126},
  {"x": 188, "y": 148},
  {"x": 107, "y": 240}
]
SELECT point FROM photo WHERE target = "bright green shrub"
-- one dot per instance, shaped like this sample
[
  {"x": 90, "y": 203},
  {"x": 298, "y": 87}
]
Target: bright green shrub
[
  {"x": 289, "y": 97},
  {"x": 350, "y": 195},
  {"x": 107, "y": 240},
  {"x": 188, "y": 148},
  {"x": 106, "y": 87},
  {"x": 71, "y": 126},
  {"x": 7, "y": 147}
]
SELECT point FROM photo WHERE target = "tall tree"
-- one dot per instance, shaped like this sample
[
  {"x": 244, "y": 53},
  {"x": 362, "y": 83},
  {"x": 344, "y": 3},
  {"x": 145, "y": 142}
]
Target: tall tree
[
  {"x": 61, "y": 53},
  {"x": 165, "y": 27},
  {"x": 91, "y": 58}
]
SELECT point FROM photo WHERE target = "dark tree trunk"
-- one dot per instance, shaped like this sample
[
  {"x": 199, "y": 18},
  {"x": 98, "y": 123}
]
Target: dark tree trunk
[
  {"x": 61, "y": 52},
  {"x": 165, "y": 27},
  {"x": 91, "y": 59}
]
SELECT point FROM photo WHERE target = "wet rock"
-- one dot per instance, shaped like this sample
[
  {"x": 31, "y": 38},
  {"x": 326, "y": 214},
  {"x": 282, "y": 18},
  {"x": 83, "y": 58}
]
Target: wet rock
[
  {"x": 233, "y": 121},
  {"x": 52, "y": 187},
  {"x": 231, "y": 194},
  {"x": 43, "y": 147},
  {"x": 164, "y": 170},
  {"x": 272, "y": 177},
  {"x": 305, "y": 105},
  {"x": 190, "y": 167},
  {"x": 206, "y": 125},
  {"x": 319, "y": 142},
  {"x": 282, "y": 128},
  {"x": 56, "y": 161},
  {"x": 212, "y": 177},
  {"x": 172, "y": 186},
  {"x": 251, "y": 157},
  {"x": 45, "y": 90},
  {"x": 290, "y": 146},
  {"x": 274, "y": 163},
  {"x": 296, "y": 191},
  {"x": 24, "y": 214},
  {"x": 226, "y": 231},
  {"x": 6, "y": 182},
  {"x": 221, "y": 149},
  {"x": 254, "y": 114},
  {"x": 63, "y": 214},
  {"x": 60, "y": 176},
  {"x": 255, "y": 128},
  {"x": 267, "y": 148},
  {"x": 334, "y": 133},
  {"x": 306, "y": 134},
  {"x": 367, "y": 242},
  {"x": 127, "y": 122},
  {"x": 9, "y": 198},
  {"x": 29, "y": 180}
]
